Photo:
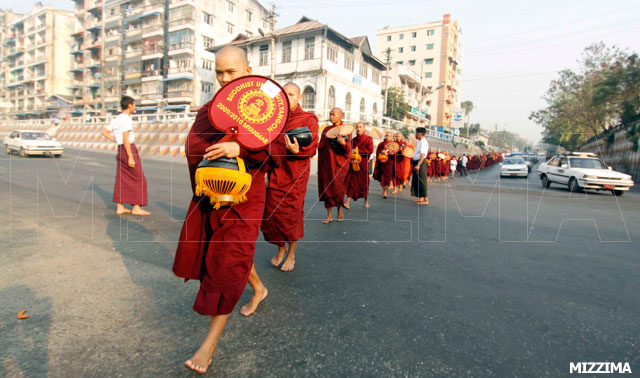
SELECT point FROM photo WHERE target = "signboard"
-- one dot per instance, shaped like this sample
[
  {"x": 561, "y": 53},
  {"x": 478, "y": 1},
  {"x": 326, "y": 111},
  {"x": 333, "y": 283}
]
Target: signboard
[
  {"x": 457, "y": 121},
  {"x": 420, "y": 113}
]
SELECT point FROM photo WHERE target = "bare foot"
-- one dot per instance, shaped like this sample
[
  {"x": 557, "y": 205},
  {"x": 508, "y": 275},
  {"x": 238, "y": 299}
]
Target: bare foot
[
  {"x": 252, "y": 306},
  {"x": 201, "y": 360},
  {"x": 140, "y": 212},
  {"x": 327, "y": 220},
  {"x": 346, "y": 206},
  {"x": 123, "y": 211},
  {"x": 288, "y": 265},
  {"x": 366, "y": 205},
  {"x": 277, "y": 259},
  {"x": 340, "y": 215}
]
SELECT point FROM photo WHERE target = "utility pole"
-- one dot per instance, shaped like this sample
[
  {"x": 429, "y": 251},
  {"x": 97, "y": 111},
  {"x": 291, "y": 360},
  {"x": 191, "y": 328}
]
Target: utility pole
[
  {"x": 420, "y": 102},
  {"x": 387, "y": 63},
  {"x": 272, "y": 18}
]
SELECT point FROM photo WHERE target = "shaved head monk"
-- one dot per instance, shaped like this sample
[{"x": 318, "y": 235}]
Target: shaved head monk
[
  {"x": 284, "y": 211},
  {"x": 333, "y": 166},
  {"x": 399, "y": 164},
  {"x": 358, "y": 181},
  {"x": 217, "y": 246},
  {"x": 383, "y": 171}
]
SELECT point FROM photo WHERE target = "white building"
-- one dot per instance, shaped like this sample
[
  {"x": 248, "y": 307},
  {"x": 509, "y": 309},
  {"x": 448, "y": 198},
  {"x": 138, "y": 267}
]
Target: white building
[
  {"x": 330, "y": 69},
  {"x": 417, "y": 93}
]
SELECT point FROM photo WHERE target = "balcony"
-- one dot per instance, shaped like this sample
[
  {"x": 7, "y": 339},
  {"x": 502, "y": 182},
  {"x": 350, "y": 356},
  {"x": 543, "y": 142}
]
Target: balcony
[
  {"x": 188, "y": 22},
  {"x": 181, "y": 47},
  {"x": 152, "y": 50},
  {"x": 152, "y": 73},
  {"x": 187, "y": 93}
]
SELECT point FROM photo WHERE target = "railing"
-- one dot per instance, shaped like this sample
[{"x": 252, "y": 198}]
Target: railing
[
  {"x": 149, "y": 73},
  {"x": 180, "y": 93},
  {"x": 174, "y": 70},
  {"x": 152, "y": 50},
  {"x": 180, "y": 46},
  {"x": 182, "y": 21}
]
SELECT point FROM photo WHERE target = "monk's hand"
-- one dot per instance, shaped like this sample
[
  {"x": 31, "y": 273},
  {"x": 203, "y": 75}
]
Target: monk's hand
[
  {"x": 132, "y": 162},
  {"x": 342, "y": 141},
  {"x": 294, "y": 148},
  {"x": 226, "y": 149}
]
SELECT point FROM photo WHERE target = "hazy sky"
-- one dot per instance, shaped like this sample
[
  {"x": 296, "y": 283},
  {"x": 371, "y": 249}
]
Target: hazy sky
[{"x": 513, "y": 49}]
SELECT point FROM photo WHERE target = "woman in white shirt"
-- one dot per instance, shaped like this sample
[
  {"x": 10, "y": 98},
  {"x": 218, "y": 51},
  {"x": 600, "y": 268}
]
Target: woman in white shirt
[{"x": 453, "y": 165}]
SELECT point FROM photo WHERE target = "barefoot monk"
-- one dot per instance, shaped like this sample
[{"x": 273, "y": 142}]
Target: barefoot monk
[{"x": 358, "y": 181}]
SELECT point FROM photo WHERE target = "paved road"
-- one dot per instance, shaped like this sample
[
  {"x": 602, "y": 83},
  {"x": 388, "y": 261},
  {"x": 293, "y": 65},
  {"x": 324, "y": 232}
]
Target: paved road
[{"x": 494, "y": 278}]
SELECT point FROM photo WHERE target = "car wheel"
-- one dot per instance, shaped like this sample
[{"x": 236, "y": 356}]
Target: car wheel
[
  {"x": 618, "y": 193},
  {"x": 545, "y": 181},
  {"x": 22, "y": 152},
  {"x": 573, "y": 185}
]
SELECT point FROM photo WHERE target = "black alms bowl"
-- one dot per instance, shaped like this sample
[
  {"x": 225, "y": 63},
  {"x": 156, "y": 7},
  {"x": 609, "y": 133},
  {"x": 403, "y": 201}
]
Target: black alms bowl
[{"x": 302, "y": 134}]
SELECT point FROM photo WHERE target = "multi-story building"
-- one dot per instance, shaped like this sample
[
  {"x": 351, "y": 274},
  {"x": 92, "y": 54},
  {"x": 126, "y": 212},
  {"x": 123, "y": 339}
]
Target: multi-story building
[
  {"x": 330, "y": 69},
  {"x": 36, "y": 51},
  {"x": 7, "y": 18},
  {"x": 154, "y": 50},
  {"x": 417, "y": 93},
  {"x": 434, "y": 50}
]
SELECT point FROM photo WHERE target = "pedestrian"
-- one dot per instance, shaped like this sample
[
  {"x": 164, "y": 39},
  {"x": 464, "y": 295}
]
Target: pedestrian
[
  {"x": 283, "y": 221},
  {"x": 383, "y": 172},
  {"x": 453, "y": 166},
  {"x": 419, "y": 179},
  {"x": 217, "y": 246},
  {"x": 333, "y": 165},
  {"x": 358, "y": 181},
  {"x": 130, "y": 185},
  {"x": 464, "y": 162}
]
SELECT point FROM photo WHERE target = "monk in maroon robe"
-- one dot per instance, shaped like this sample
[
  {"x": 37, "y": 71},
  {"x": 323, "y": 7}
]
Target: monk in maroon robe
[
  {"x": 284, "y": 210},
  {"x": 383, "y": 171},
  {"x": 217, "y": 246},
  {"x": 358, "y": 182},
  {"x": 399, "y": 164},
  {"x": 333, "y": 165}
]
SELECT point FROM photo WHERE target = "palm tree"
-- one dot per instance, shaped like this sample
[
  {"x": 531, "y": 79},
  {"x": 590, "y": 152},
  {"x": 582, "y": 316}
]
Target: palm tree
[{"x": 468, "y": 108}]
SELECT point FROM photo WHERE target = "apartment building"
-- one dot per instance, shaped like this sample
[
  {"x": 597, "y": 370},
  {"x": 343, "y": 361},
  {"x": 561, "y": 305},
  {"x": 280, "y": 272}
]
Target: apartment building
[
  {"x": 417, "y": 93},
  {"x": 330, "y": 69},
  {"x": 7, "y": 18},
  {"x": 36, "y": 57},
  {"x": 154, "y": 50},
  {"x": 435, "y": 51}
]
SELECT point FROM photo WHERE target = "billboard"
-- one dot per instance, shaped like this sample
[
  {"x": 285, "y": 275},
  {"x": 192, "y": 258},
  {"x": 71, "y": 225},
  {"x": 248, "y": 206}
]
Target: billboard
[{"x": 457, "y": 120}]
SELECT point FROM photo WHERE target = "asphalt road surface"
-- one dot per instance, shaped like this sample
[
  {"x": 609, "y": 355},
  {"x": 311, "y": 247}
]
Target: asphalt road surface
[{"x": 495, "y": 278}]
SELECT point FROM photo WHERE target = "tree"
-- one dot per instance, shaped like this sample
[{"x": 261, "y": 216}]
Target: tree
[
  {"x": 470, "y": 130},
  {"x": 622, "y": 85},
  {"x": 397, "y": 106}
]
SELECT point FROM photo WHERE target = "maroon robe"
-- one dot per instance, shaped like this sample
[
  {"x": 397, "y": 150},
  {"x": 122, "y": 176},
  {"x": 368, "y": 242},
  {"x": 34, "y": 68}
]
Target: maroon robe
[
  {"x": 131, "y": 185},
  {"x": 358, "y": 182},
  {"x": 333, "y": 165},
  {"x": 284, "y": 210},
  {"x": 399, "y": 165},
  {"x": 217, "y": 246},
  {"x": 383, "y": 172}
]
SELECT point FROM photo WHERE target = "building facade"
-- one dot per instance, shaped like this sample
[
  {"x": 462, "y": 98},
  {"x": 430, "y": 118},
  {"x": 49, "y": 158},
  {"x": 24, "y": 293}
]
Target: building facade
[
  {"x": 433, "y": 50},
  {"x": 7, "y": 18},
  {"x": 330, "y": 69},
  {"x": 417, "y": 93},
  {"x": 154, "y": 50},
  {"x": 36, "y": 56}
]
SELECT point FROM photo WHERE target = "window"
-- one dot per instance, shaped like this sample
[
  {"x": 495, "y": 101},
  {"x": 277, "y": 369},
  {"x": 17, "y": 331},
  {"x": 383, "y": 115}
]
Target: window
[
  {"x": 308, "y": 98},
  {"x": 399, "y": 62},
  {"x": 230, "y": 6},
  {"x": 207, "y": 87},
  {"x": 265, "y": 25},
  {"x": 363, "y": 70},
  {"x": 229, "y": 28},
  {"x": 347, "y": 105},
  {"x": 286, "y": 52},
  {"x": 388, "y": 38},
  {"x": 428, "y": 61},
  {"x": 401, "y": 36},
  {"x": 375, "y": 76},
  {"x": 362, "y": 106},
  {"x": 207, "y": 18},
  {"x": 332, "y": 53},
  {"x": 414, "y": 34},
  {"x": 207, "y": 64},
  {"x": 112, "y": 12},
  {"x": 348, "y": 62},
  {"x": 249, "y": 14},
  {"x": 400, "y": 50},
  {"x": 431, "y": 32},
  {"x": 332, "y": 98},
  {"x": 309, "y": 46},
  {"x": 208, "y": 42},
  {"x": 264, "y": 55},
  {"x": 430, "y": 46},
  {"x": 375, "y": 108},
  {"x": 412, "y": 62},
  {"x": 428, "y": 75},
  {"x": 413, "y": 48}
]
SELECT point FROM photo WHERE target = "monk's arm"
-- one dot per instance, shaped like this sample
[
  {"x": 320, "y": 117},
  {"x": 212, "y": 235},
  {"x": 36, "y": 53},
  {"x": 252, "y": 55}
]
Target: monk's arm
[{"x": 107, "y": 134}]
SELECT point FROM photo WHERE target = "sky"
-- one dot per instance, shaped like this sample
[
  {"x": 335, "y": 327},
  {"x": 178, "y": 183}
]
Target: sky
[{"x": 513, "y": 49}]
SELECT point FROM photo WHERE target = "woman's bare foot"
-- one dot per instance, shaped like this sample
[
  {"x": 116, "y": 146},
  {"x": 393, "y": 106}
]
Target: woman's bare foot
[
  {"x": 288, "y": 265},
  {"x": 201, "y": 360},
  {"x": 252, "y": 306},
  {"x": 123, "y": 211},
  {"x": 366, "y": 204},
  {"x": 277, "y": 259}
]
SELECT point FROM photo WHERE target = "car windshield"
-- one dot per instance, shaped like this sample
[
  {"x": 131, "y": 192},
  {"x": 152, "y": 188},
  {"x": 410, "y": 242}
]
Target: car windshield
[
  {"x": 36, "y": 136},
  {"x": 513, "y": 161},
  {"x": 587, "y": 163}
]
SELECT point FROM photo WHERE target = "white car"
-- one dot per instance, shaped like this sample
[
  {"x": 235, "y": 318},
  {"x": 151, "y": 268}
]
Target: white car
[
  {"x": 583, "y": 170},
  {"x": 514, "y": 167},
  {"x": 28, "y": 142}
]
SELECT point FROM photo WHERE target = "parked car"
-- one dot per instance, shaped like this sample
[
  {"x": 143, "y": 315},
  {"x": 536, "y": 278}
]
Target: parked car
[
  {"x": 514, "y": 167},
  {"x": 583, "y": 170},
  {"x": 27, "y": 143}
]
